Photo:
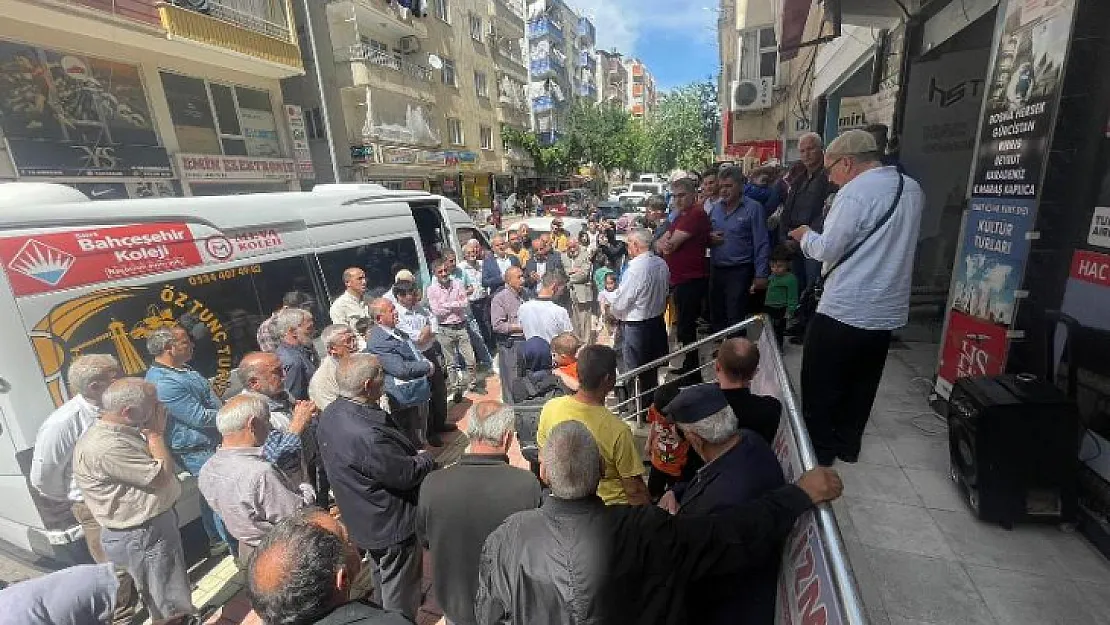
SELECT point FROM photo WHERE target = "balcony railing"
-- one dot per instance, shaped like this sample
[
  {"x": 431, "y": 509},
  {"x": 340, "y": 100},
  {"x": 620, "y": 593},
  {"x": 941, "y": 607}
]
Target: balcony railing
[
  {"x": 587, "y": 61},
  {"x": 544, "y": 27},
  {"x": 257, "y": 28},
  {"x": 587, "y": 90},
  {"x": 547, "y": 67},
  {"x": 516, "y": 7},
  {"x": 363, "y": 52},
  {"x": 543, "y": 103},
  {"x": 586, "y": 31}
]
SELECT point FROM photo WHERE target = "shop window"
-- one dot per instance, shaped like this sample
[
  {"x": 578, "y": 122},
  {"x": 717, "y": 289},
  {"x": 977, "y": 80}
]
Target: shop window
[
  {"x": 485, "y": 137},
  {"x": 212, "y": 118},
  {"x": 381, "y": 261},
  {"x": 759, "y": 54},
  {"x": 481, "y": 85},
  {"x": 449, "y": 73},
  {"x": 443, "y": 10},
  {"x": 455, "y": 131}
]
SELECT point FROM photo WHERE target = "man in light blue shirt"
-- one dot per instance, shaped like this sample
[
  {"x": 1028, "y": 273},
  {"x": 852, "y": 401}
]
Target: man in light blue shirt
[
  {"x": 864, "y": 299},
  {"x": 739, "y": 253}
]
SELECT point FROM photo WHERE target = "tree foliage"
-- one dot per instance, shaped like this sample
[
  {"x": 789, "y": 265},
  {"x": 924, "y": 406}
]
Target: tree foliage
[
  {"x": 681, "y": 132},
  {"x": 683, "y": 128}
]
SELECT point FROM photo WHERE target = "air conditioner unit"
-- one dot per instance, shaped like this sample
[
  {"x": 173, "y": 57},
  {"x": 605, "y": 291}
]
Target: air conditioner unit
[
  {"x": 409, "y": 45},
  {"x": 752, "y": 94}
]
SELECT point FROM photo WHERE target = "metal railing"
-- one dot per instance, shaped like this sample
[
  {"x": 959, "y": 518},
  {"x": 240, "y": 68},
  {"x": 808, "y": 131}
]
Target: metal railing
[
  {"x": 262, "y": 16},
  {"x": 363, "y": 52},
  {"x": 850, "y": 608}
]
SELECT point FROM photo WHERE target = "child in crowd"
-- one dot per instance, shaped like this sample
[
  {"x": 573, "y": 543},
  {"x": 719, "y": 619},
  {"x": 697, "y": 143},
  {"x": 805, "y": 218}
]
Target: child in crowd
[
  {"x": 607, "y": 324},
  {"x": 564, "y": 354},
  {"x": 672, "y": 461},
  {"x": 782, "y": 292},
  {"x": 362, "y": 330}
]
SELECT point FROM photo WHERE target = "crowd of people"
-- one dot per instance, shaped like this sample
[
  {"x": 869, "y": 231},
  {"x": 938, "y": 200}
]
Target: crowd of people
[{"x": 314, "y": 467}]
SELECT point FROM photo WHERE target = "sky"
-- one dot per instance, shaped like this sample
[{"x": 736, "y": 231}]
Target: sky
[{"x": 677, "y": 39}]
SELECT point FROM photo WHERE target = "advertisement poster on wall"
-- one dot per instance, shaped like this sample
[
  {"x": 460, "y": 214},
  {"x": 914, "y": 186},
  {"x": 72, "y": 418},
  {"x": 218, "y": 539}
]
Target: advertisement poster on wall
[
  {"x": 72, "y": 115},
  {"x": 260, "y": 133},
  {"x": 298, "y": 133},
  {"x": 1021, "y": 98}
]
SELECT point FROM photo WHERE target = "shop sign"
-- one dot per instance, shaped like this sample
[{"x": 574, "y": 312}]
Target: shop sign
[
  {"x": 302, "y": 154},
  {"x": 755, "y": 152},
  {"x": 364, "y": 154},
  {"x": 971, "y": 347},
  {"x": 62, "y": 260},
  {"x": 205, "y": 167},
  {"x": 61, "y": 159},
  {"x": 1021, "y": 98},
  {"x": 992, "y": 258},
  {"x": 399, "y": 156},
  {"x": 431, "y": 157},
  {"x": 100, "y": 191},
  {"x": 1099, "y": 234},
  {"x": 1091, "y": 267}
]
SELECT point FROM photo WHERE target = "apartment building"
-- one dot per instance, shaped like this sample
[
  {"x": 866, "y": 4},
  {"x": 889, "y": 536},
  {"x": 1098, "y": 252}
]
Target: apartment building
[
  {"x": 641, "y": 88},
  {"x": 144, "y": 98},
  {"x": 613, "y": 76},
  {"x": 417, "y": 101},
  {"x": 561, "y": 63}
]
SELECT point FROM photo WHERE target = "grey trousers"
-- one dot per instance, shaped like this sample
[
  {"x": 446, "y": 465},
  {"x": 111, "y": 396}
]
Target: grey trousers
[
  {"x": 125, "y": 595},
  {"x": 400, "y": 568},
  {"x": 582, "y": 316},
  {"x": 452, "y": 339},
  {"x": 152, "y": 554}
]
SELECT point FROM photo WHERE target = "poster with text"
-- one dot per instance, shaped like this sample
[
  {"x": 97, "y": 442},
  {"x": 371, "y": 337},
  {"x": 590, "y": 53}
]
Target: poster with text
[
  {"x": 971, "y": 347},
  {"x": 1022, "y": 94},
  {"x": 992, "y": 258}
]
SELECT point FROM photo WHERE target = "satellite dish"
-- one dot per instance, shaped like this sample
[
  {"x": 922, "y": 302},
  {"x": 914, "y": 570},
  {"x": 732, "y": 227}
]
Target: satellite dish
[{"x": 435, "y": 61}]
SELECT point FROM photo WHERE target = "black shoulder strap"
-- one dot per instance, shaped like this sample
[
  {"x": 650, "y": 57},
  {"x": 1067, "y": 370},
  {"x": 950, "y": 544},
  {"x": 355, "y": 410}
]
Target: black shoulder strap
[{"x": 882, "y": 222}]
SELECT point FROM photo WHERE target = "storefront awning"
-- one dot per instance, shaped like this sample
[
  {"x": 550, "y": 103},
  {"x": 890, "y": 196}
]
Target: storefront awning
[{"x": 794, "y": 15}]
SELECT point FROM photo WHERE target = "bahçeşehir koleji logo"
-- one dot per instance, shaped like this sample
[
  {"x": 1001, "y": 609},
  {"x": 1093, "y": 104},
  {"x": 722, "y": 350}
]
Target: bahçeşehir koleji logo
[{"x": 42, "y": 262}]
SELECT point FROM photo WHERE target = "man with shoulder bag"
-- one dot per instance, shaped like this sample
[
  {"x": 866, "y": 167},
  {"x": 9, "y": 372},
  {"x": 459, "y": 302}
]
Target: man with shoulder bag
[
  {"x": 406, "y": 373},
  {"x": 867, "y": 248}
]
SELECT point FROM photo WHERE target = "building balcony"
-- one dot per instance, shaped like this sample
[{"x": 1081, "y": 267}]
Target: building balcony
[
  {"x": 361, "y": 52},
  {"x": 587, "y": 34},
  {"x": 256, "y": 28},
  {"x": 512, "y": 11},
  {"x": 547, "y": 67},
  {"x": 381, "y": 19},
  {"x": 547, "y": 137},
  {"x": 587, "y": 90},
  {"x": 543, "y": 27},
  {"x": 587, "y": 62},
  {"x": 544, "y": 103}
]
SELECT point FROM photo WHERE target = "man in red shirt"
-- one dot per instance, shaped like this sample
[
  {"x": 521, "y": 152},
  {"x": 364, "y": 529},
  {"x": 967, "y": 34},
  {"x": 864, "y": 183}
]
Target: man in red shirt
[{"x": 683, "y": 247}]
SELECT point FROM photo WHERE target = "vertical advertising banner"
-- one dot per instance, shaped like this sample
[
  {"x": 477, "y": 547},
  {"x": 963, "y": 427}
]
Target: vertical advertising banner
[{"x": 1022, "y": 94}]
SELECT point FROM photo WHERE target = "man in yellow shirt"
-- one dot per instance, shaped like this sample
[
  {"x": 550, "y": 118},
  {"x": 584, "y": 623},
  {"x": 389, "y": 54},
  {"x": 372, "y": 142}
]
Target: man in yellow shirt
[
  {"x": 621, "y": 480},
  {"x": 559, "y": 236}
]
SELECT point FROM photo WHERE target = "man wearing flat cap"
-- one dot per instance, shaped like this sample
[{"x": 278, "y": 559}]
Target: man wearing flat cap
[
  {"x": 739, "y": 467},
  {"x": 867, "y": 248}
]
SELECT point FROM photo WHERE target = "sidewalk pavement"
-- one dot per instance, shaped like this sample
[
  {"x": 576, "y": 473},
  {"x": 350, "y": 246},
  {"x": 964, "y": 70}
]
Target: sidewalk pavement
[
  {"x": 224, "y": 584},
  {"x": 919, "y": 556}
]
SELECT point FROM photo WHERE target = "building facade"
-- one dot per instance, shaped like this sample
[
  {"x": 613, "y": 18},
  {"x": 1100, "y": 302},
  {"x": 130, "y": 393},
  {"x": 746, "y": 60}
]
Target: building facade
[
  {"x": 641, "y": 88},
  {"x": 612, "y": 76},
  {"x": 560, "y": 63},
  {"x": 417, "y": 101},
  {"x": 148, "y": 99}
]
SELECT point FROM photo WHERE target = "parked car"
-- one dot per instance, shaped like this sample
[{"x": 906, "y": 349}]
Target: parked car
[
  {"x": 648, "y": 188},
  {"x": 610, "y": 209},
  {"x": 556, "y": 204},
  {"x": 633, "y": 201}
]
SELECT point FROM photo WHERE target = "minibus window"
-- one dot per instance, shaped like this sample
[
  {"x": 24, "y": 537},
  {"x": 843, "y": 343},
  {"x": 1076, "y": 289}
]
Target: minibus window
[
  {"x": 466, "y": 234},
  {"x": 381, "y": 261}
]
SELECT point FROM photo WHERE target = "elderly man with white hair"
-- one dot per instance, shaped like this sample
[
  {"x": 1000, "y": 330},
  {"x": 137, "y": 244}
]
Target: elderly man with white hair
[
  {"x": 52, "y": 461},
  {"x": 340, "y": 341},
  {"x": 739, "y": 467},
  {"x": 623, "y": 564},
  {"x": 249, "y": 493},
  {"x": 128, "y": 480},
  {"x": 638, "y": 304},
  {"x": 452, "y": 527},
  {"x": 298, "y": 357}
]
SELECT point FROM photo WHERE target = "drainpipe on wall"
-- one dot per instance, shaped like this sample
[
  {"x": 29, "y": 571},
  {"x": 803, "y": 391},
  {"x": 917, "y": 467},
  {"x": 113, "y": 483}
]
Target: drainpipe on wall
[{"x": 323, "y": 96}]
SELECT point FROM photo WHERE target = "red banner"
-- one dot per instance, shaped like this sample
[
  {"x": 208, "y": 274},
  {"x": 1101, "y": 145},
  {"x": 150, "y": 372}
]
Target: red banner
[
  {"x": 758, "y": 151},
  {"x": 1091, "y": 267},
  {"x": 62, "y": 260},
  {"x": 971, "y": 347}
]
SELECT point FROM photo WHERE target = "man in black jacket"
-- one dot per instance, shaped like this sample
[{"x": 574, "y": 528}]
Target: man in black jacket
[
  {"x": 302, "y": 573},
  {"x": 375, "y": 473},
  {"x": 805, "y": 206},
  {"x": 579, "y": 561},
  {"x": 737, "y": 360},
  {"x": 461, "y": 505}
]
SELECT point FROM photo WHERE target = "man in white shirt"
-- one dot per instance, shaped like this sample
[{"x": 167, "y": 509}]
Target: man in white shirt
[
  {"x": 639, "y": 304},
  {"x": 351, "y": 306},
  {"x": 541, "y": 316},
  {"x": 416, "y": 321},
  {"x": 52, "y": 460},
  {"x": 864, "y": 300}
]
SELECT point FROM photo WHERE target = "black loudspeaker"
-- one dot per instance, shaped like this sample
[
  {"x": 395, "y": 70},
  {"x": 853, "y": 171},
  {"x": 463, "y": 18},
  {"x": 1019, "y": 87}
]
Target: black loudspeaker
[{"x": 1014, "y": 442}]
